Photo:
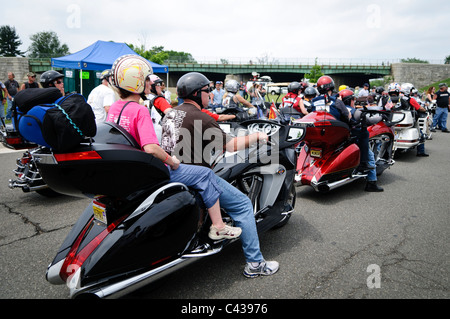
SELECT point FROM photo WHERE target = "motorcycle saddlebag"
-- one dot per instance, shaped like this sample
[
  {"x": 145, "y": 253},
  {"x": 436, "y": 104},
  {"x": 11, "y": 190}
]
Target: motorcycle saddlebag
[{"x": 30, "y": 124}]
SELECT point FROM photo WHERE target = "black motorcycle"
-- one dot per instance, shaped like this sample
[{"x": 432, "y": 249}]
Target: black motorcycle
[{"x": 140, "y": 226}]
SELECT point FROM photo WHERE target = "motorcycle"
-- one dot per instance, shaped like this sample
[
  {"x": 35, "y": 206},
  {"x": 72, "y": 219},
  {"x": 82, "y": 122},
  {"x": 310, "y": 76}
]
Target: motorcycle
[
  {"x": 27, "y": 175},
  {"x": 407, "y": 131},
  {"x": 139, "y": 226},
  {"x": 330, "y": 158},
  {"x": 425, "y": 120}
]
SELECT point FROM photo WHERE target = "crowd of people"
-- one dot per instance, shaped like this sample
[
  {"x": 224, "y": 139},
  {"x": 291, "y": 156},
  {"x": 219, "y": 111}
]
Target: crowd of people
[{"x": 139, "y": 101}]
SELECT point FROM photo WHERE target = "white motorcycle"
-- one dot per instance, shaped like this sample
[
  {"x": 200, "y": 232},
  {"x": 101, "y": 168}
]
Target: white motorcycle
[{"x": 407, "y": 132}]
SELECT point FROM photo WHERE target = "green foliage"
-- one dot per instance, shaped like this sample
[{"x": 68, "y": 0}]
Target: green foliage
[
  {"x": 46, "y": 44},
  {"x": 9, "y": 42},
  {"x": 158, "y": 55},
  {"x": 413, "y": 60},
  {"x": 315, "y": 73},
  {"x": 447, "y": 59},
  {"x": 436, "y": 85}
]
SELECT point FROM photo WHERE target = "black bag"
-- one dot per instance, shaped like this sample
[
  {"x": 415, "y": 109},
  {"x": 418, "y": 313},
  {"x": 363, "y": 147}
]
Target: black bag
[
  {"x": 27, "y": 99},
  {"x": 69, "y": 123}
]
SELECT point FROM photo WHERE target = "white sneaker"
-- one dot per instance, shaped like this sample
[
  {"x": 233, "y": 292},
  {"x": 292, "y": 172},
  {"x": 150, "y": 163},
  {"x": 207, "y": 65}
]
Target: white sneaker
[
  {"x": 227, "y": 232},
  {"x": 264, "y": 268}
]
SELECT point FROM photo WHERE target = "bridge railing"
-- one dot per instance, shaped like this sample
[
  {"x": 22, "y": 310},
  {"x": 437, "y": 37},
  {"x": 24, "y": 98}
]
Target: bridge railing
[{"x": 290, "y": 61}]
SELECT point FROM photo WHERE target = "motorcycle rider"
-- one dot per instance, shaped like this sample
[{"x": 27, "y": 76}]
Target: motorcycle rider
[
  {"x": 52, "y": 78},
  {"x": 348, "y": 98},
  {"x": 293, "y": 98},
  {"x": 326, "y": 102},
  {"x": 130, "y": 75},
  {"x": 194, "y": 124},
  {"x": 309, "y": 94},
  {"x": 399, "y": 96},
  {"x": 232, "y": 98}
]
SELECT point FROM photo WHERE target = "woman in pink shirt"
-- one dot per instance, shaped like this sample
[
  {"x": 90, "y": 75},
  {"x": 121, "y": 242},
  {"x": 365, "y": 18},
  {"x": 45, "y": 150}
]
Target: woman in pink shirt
[{"x": 131, "y": 78}]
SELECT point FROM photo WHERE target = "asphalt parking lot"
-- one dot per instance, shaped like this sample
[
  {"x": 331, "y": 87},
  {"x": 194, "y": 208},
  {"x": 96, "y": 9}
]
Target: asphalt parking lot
[{"x": 347, "y": 244}]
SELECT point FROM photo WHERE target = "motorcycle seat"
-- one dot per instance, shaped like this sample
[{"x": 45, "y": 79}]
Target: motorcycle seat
[{"x": 112, "y": 133}]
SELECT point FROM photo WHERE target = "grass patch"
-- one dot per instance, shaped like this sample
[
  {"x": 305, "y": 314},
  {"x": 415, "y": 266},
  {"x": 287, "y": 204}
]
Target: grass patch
[{"x": 436, "y": 85}]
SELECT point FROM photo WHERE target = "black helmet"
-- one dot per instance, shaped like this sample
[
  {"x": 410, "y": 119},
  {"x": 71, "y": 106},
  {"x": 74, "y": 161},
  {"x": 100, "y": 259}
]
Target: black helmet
[
  {"x": 48, "y": 77},
  {"x": 190, "y": 83},
  {"x": 310, "y": 92}
]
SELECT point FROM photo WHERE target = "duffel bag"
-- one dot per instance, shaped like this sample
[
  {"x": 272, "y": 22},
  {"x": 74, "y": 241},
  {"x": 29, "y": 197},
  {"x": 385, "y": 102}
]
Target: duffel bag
[
  {"x": 68, "y": 123},
  {"x": 27, "y": 99},
  {"x": 31, "y": 123}
]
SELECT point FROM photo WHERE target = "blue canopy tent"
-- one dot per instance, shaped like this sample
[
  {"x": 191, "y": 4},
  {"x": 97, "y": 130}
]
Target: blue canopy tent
[{"x": 98, "y": 57}]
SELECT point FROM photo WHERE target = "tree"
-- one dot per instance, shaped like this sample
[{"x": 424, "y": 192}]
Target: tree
[
  {"x": 447, "y": 59},
  {"x": 413, "y": 60},
  {"x": 9, "y": 42},
  {"x": 158, "y": 55},
  {"x": 315, "y": 73},
  {"x": 46, "y": 44}
]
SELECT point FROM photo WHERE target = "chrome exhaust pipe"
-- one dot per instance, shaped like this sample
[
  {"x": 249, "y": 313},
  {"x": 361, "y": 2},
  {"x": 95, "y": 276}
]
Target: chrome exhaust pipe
[{"x": 324, "y": 187}]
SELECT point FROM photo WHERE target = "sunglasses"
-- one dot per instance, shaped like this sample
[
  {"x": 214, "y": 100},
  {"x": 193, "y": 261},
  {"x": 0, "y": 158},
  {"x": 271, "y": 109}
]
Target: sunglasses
[
  {"x": 59, "y": 81},
  {"x": 204, "y": 90}
]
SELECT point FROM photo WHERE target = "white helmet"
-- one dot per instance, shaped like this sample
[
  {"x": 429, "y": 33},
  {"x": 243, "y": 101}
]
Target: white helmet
[
  {"x": 407, "y": 88},
  {"x": 232, "y": 86},
  {"x": 154, "y": 79},
  {"x": 129, "y": 73},
  {"x": 394, "y": 88}
]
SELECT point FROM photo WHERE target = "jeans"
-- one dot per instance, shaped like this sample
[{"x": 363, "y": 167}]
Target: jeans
[
  {"x": 8, "y": 109},
  {"x": 372, "y": 174},
  {"x": 240, "y": 209},
  {"x": 200, "y": 178},
  {"x": 421, "y": 146},
  {"x": 440, "y": 118},
  {"x": 2, "y": 110}
]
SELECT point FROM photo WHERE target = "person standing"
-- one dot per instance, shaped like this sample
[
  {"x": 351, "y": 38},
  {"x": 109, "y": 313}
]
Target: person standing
[
  {"x": 31, "y": 83},
  {"x": 442, "y": 98},
  {"x": 3, "y": 94},
  {"x": 12, "y": 87},
  {"x": 101, "y": 98},
  {"x": 217, "y": 95},
  {"x": 364, "y": 92}
]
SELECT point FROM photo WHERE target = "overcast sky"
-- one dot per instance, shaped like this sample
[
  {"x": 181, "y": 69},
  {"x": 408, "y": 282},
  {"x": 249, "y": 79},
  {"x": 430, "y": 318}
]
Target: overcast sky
[{"x": 277, "y": 29}]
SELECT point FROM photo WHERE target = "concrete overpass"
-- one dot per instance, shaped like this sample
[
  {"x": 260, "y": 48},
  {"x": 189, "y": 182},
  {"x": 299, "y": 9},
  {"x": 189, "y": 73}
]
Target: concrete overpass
[
  {"x": 343, "y": 73},
  {"x": 349, "y": 74}
]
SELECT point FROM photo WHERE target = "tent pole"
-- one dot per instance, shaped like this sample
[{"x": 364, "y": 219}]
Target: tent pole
[{"x": 81, "y": 81}]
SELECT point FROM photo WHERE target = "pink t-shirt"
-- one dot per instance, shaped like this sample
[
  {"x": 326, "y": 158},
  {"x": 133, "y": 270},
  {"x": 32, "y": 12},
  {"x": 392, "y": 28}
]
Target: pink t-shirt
[{"x": 136, "y": 120}]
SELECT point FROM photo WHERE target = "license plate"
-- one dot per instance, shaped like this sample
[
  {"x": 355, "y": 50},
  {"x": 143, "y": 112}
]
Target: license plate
[
  {"x": 99, "y": 212},
  {"x": 316, "y": 152}
]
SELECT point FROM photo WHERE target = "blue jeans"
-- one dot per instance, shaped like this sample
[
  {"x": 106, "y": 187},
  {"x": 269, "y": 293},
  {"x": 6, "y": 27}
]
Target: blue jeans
[
  {"x": 372, "y": 174},
  {"x": 421, "y": 146},
  {"x": 240, "y": 209},
  {"x": 200, "y": 178},
  {"x": 440, "y": 118},
  {"x": 2, "y": 109},
  {"x": 8, "y": 109}
]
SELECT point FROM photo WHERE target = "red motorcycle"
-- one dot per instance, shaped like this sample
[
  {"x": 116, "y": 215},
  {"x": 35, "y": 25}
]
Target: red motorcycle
[{"x": 330, "y": 157}]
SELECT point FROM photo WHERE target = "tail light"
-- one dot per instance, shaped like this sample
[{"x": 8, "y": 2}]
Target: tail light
[
  {"x": 79, "y": 156},
  {"x": 75, "y": 258},
  {"x": 13, "y": 140}
]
